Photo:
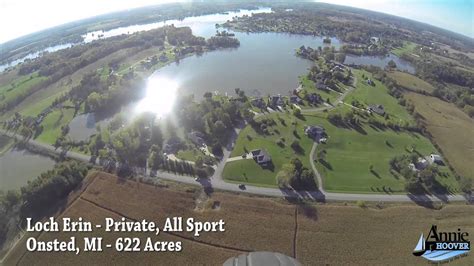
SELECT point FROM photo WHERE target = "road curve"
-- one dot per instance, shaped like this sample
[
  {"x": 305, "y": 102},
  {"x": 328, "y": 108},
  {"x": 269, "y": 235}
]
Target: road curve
[{"x": 216, "y": 181}]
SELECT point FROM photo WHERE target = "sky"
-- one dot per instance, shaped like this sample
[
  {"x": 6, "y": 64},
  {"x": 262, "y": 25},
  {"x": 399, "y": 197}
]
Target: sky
[
  {"x": 28, "y": 16},
  {"x": 454, "y": 15}
]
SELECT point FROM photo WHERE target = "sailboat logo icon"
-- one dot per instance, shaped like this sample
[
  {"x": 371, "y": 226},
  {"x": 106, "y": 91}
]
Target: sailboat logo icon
[
  {"x": 442, "y": 246},
  {"x": 420, "y": 247}
]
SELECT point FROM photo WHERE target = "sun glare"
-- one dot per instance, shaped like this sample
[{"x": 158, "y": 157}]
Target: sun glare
[{"x": 160, "y": 97}]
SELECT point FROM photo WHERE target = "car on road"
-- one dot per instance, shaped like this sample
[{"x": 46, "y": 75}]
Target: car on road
[{"x": 242, "y": 186}]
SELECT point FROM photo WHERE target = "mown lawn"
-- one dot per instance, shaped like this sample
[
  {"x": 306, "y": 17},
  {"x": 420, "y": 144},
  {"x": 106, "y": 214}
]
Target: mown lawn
[
  {"x": 5, "y": 144},
  {"x": 350, "y": 153},
  {"x": 189, "y": 154},
  {"x": 410, "y": 81},
  {"x": 52, "y": 125},
  {"x": 20, "y": 86},
  {"x": 248, "y": 171},
  {"x": 378, "y": 94},
  {"x": 309, "y": 86},
  {"x": 407, "y": 48},
  {"x": 37, "y": 107}
]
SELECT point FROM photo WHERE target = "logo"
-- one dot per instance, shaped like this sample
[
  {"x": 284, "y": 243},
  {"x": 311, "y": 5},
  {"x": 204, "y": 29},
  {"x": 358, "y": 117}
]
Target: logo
[{"x": 441, "y": 246}]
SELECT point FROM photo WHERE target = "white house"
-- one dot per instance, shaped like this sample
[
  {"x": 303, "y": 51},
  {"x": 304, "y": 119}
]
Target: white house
[{"x": 435, "y": 158}]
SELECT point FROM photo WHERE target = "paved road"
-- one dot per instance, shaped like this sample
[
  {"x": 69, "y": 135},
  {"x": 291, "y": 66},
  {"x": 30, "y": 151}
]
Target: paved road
[
  {"x": 338, "y": 101},
  {"x": 48, "y": 147},
  {"x": 216, "y": 181}
]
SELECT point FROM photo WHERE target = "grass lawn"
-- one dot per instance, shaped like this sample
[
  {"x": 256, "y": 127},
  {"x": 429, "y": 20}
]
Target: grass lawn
[
  {"x": 309, "y": 86},
  {"x": 189, "y": 155},
  {"x": 82, "y": 150},
  {"x": 247, "y": 171},
  {"x": 452, "y": 130},
  {"x": 20, "y": 86},
  {"x": 377, "y": 94},
  {"x": 408, "y": 47},
  {"x": 410, "y": 81},
  {"x": 52, "y": 125},
  {"x": 350, "y": 154},
  {"x": 37, "y": 107},
  {"x": 5, "y": 144}
]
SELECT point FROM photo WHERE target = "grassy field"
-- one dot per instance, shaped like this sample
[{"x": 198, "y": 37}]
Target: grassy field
[
  {"x": 309, "y": 86},
  {"x": 378, "y": 94},
  {"x": 19, "y": 86},
  {"x": 351, "y": 152},
  {"x": 407, "y": 48},
  {"x": 52, "y": 125},
  {"x": 451, "y": 129},
  {"x": 41, "y": 99},
  {"x": 36, "y": 108},
  {"x": 247, "y": 171},
  {"x": 313, "y": 234},
  {"x": 410, "y": 81},
  {"x": 37, "y": 102},
  {"x": 189, "y": 154},
  {"x": 5, "y": 144}
]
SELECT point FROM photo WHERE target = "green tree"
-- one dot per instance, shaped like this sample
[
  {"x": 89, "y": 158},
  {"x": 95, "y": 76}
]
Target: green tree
[
  {"x": 466, "y": 185},
  {"x": 298, "y": 165},
  {"x": 93, "y": 101},
  {"x": 297, "y": 112},
  {"x": 295, "y": 145},
  {"x": 285, "y": 175},
  {"x": 156, "y": 135},
  {"x": 392, "y": 64},
  {"x": 11, "y": 199},
  {"x": 413, "y": 185}
]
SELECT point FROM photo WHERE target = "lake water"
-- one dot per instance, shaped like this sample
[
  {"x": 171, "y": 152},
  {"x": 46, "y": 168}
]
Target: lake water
[
  {"x": 35, "y": 55},
  {"x": 84, "y": 126},
  {"x": 380, "y": 61},
  {"x": 265, "y": 63},
  {"x": 201, "y": 25},
  {"x": 20, "y": 166}
]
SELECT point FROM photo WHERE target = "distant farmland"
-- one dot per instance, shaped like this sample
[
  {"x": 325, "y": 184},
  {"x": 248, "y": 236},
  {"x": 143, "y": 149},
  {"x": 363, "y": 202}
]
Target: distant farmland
[
  {"x": 411, "y": 82},
  {"x": 314, "y": 234},
  {"x": 452, "y": 130}
]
